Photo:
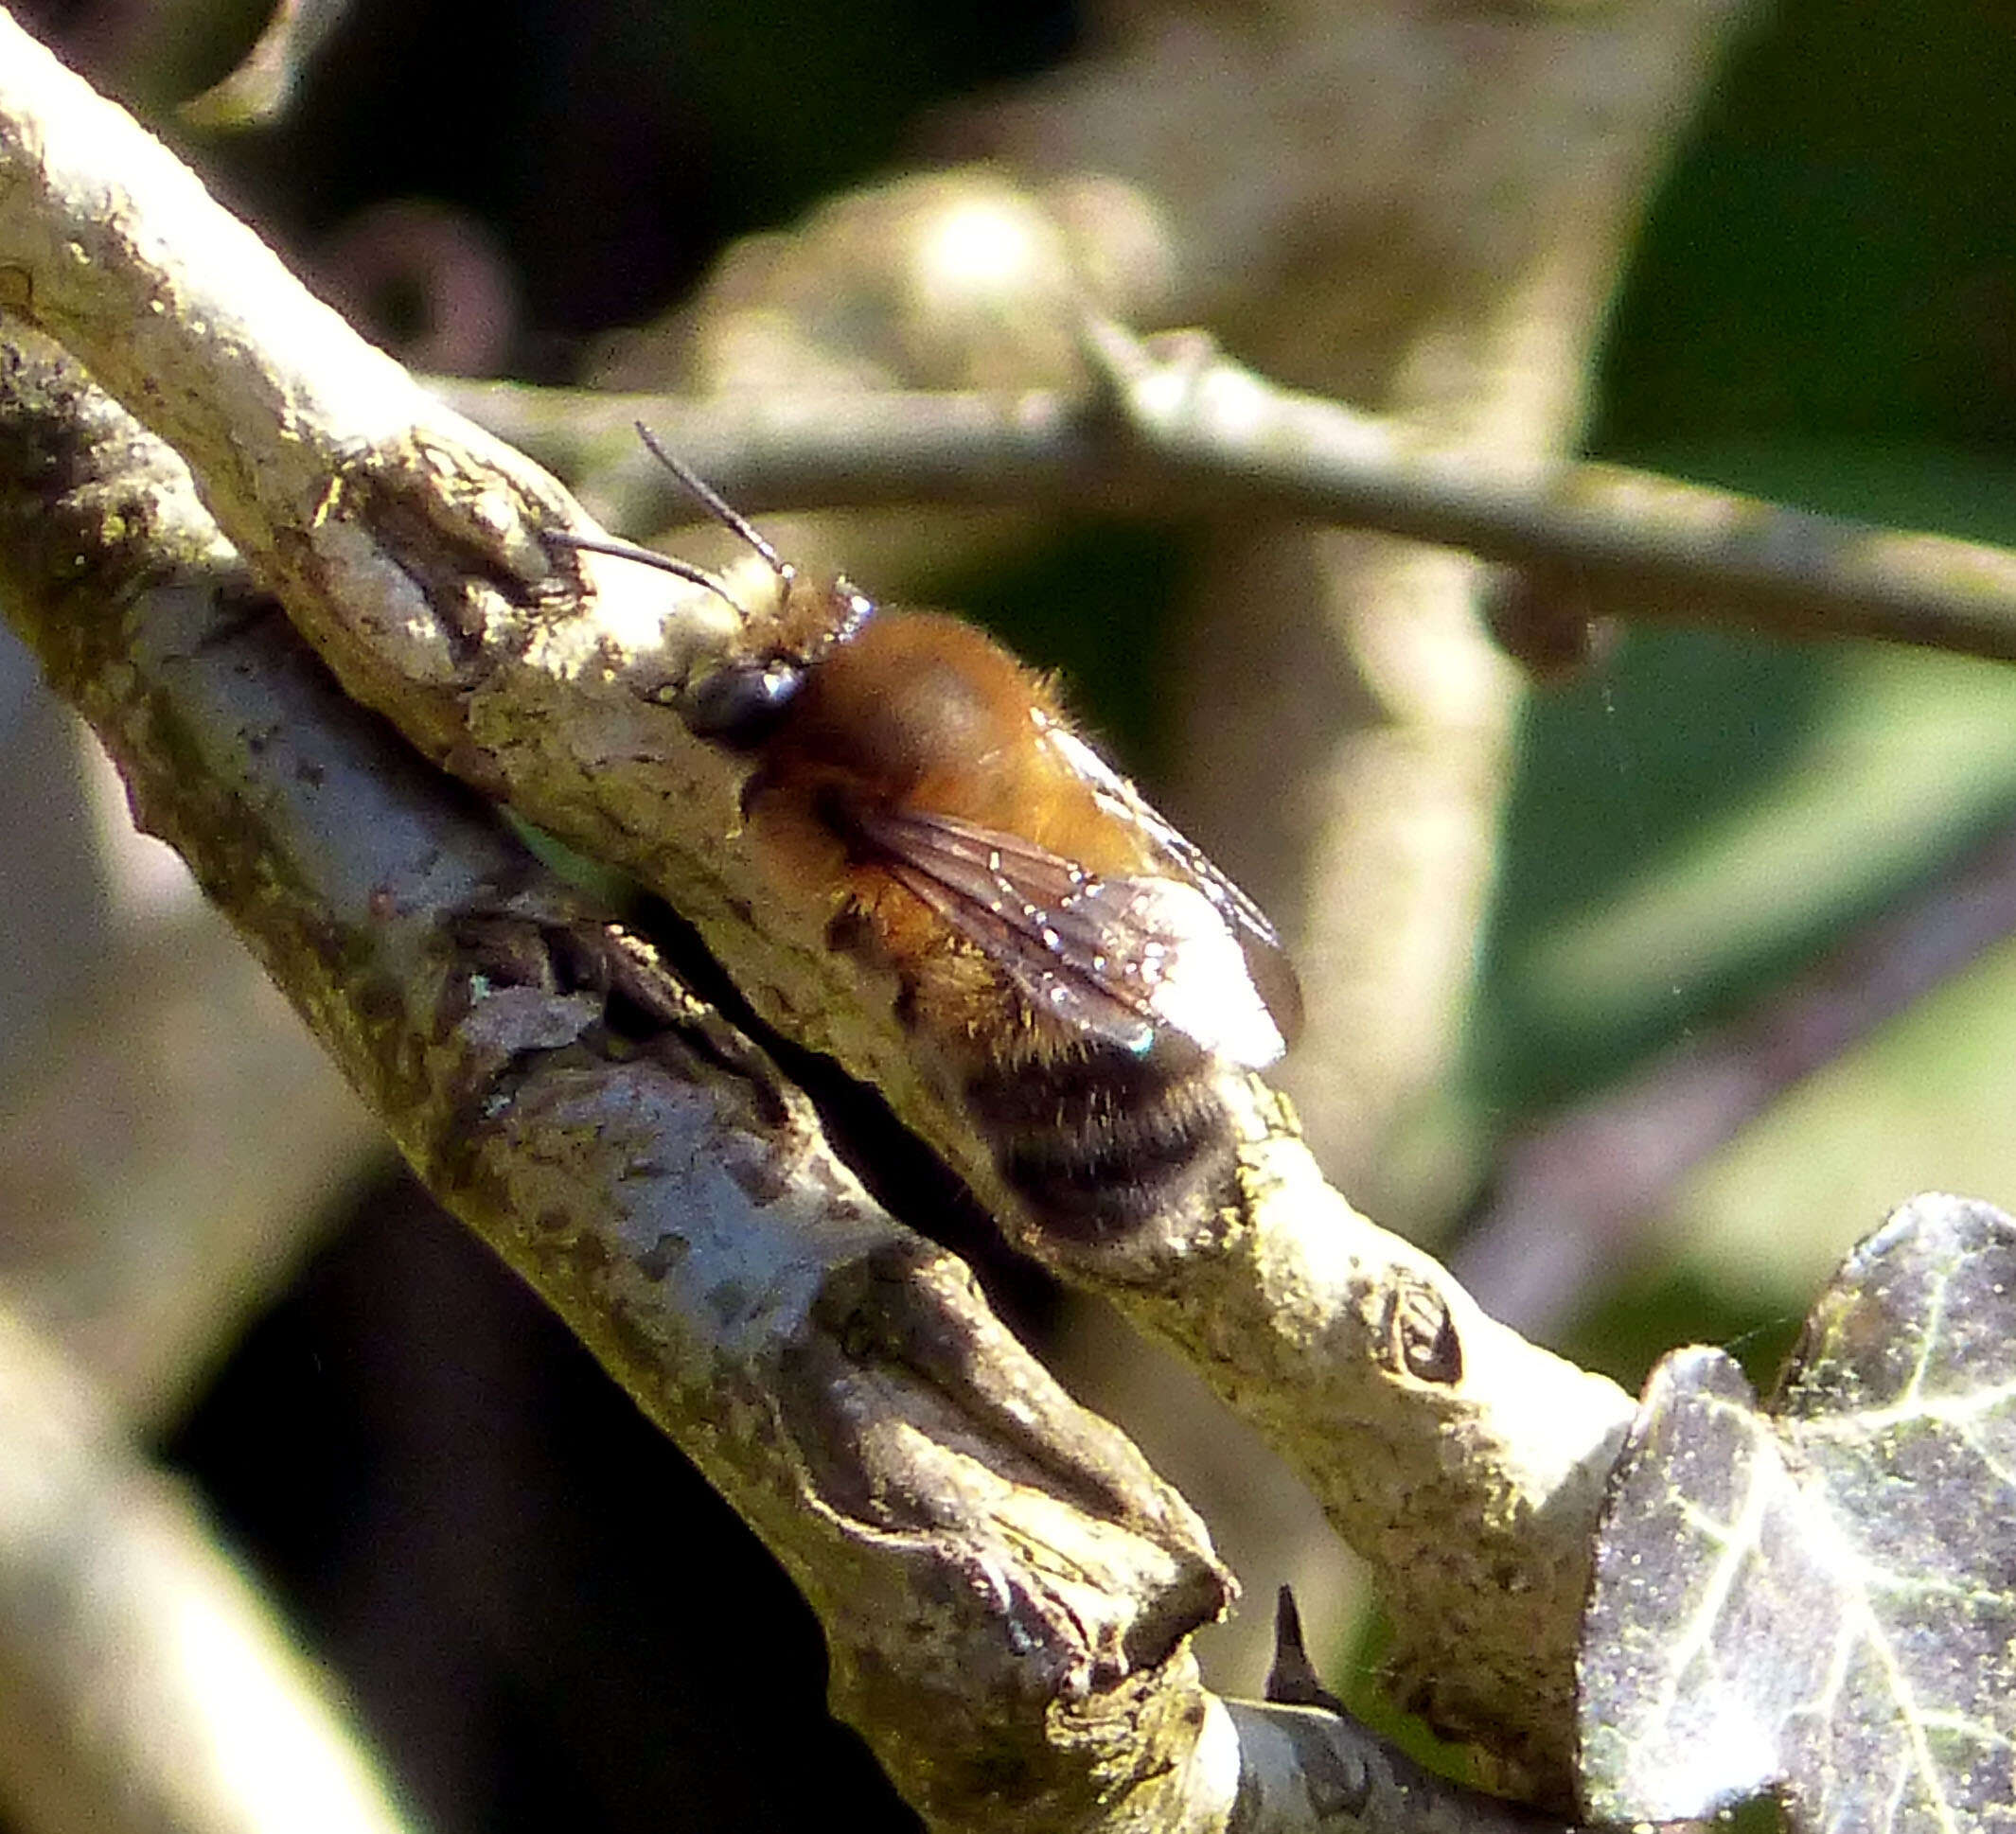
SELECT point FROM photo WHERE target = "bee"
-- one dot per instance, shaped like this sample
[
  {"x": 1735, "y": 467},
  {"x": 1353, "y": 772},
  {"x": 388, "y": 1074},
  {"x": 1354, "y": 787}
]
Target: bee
[{"x": 1072, "y": 967}]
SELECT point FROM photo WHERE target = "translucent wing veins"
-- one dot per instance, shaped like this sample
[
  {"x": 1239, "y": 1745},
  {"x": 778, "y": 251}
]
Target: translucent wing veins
[{"x": 1115, "y": 956}]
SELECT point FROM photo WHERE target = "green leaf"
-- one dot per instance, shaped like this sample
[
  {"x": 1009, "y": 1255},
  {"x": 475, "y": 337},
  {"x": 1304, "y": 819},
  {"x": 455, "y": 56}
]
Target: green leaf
[{"x": 1816, "y": 1598}]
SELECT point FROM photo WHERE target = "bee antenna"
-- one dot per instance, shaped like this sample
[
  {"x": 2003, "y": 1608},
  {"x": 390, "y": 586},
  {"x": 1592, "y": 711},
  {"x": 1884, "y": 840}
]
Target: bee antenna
[
  {"x": 644, "y": 557},
  {"x": 723, "y": 512}
]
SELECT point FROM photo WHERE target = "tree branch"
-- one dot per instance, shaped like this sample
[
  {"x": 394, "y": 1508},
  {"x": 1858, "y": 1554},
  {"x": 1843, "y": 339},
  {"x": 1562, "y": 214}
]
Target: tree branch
[
  {"x": 1006, "y": 1588},
  {"x": 1182, "y": 429},
  {"x": 145, "y": 1683},
  {"x": 636, "y": 1192},
  {"x": 837, "y": 1378}
]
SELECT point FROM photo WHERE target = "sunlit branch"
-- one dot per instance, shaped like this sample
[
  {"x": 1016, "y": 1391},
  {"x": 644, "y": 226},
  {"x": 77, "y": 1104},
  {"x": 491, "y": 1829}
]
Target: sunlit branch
[{"x": 1178, "y": 428}]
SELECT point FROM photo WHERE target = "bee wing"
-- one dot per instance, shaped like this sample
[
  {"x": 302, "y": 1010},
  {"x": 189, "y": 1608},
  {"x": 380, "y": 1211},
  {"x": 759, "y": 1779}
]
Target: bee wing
[
  {"x": 1116, "y": 957},
  {"x": 1047, "y": 985},
  {"x": 1040, "y": 918},
  {"x": 1269, "y": 972}
]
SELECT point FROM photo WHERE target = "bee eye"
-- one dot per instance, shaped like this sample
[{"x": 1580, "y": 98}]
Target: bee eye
[{"x": 741, "y": 703}]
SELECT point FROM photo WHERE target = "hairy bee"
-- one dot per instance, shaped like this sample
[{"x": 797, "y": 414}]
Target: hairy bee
[{"x": 1069, "y": 961}]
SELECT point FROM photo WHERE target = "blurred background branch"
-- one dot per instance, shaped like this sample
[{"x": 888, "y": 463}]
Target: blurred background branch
[
  {"x": 1184, "y": 431},
  {"x": 1571, "y": 1201},
  {"x": 145, "y": 1680}
]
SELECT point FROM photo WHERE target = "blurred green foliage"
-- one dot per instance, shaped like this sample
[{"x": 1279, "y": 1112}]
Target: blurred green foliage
[{"x": 1823, "y": 310}]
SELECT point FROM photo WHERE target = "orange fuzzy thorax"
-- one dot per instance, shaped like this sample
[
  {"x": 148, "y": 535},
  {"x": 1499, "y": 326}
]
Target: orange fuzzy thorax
[
  {"x": 920, "y": 712},
  {"x": 923, "y": 711}
]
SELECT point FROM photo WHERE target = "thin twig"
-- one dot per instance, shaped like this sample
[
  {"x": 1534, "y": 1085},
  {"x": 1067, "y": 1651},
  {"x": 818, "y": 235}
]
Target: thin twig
[{"x": 1198, "y": 434}]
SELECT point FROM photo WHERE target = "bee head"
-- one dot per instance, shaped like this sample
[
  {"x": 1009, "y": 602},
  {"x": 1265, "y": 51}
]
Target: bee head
[{"x": 741, "y": 703}]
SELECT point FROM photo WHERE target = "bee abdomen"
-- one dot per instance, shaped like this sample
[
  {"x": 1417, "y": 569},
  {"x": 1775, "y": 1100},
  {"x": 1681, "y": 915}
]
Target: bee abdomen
[{"x": 1100, "y": 1139}]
